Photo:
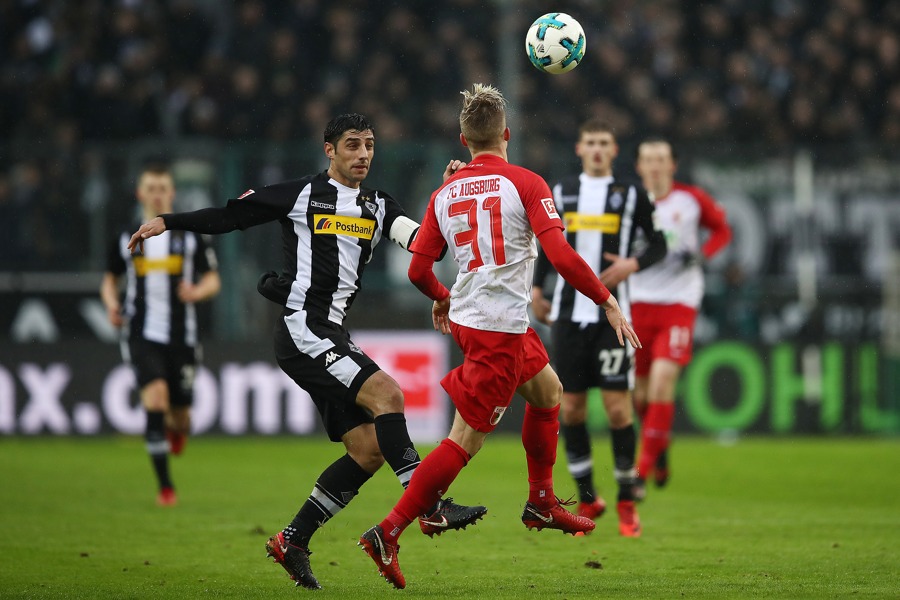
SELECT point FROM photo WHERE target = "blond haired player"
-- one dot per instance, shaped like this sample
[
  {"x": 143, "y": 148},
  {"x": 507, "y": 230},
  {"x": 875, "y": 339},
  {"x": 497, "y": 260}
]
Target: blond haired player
[{"x": 489, "y": 214}]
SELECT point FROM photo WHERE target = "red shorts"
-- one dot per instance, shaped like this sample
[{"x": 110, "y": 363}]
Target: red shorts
[
  {"x": 665, "y": 330},
  {"x": 494, "y": 365}
]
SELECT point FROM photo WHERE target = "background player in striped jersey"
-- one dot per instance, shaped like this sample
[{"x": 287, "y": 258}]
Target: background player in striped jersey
[
  {"x": 604, "y": 218},
  {"x": 330, "y": 226},
  {"x": 159, "y": 320},
  {"x": 489, "y": 214},
  {"x": 665, "y": 299}
]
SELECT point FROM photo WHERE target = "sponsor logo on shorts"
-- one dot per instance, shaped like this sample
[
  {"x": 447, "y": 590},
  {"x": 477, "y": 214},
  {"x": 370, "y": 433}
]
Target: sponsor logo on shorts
[{"x": 498, "y": 414}]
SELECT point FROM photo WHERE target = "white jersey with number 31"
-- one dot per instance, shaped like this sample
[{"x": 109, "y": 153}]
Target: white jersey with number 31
[{"x": 488, "y": 214}]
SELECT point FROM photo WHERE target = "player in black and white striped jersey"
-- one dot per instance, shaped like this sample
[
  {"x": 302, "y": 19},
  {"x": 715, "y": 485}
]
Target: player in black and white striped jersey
[
  {"x": 607, "y": 222},
  {"x": 330, "y": 226},
  {"x": 159, "y": 319}
]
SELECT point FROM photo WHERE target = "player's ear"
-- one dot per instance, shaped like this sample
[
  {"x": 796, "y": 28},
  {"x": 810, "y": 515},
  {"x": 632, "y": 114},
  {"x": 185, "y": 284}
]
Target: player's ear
[
  {"x": 329, "y": 149},
  {"x": 462, "y": 140},
  {"x": 506, "y": 134}
]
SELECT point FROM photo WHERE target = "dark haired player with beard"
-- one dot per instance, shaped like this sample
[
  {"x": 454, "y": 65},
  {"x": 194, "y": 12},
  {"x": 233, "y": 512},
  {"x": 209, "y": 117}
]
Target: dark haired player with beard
[{"x": 330, "y": 226}]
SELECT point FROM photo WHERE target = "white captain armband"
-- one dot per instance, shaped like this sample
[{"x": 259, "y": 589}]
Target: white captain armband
[{"x": 403, "y": 232}]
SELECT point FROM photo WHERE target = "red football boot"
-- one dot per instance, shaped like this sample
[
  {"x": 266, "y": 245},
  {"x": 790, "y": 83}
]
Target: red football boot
[
  {"x": 556, "y": 517},
  {"x": 384, "y": 554}
]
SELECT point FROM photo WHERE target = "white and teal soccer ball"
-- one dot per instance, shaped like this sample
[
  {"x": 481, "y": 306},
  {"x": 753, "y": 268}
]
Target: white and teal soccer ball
[{"x": 555, "y": 43}]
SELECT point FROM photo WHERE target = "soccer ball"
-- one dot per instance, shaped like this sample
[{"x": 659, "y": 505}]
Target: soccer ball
[{"x": 555, "y": 43}]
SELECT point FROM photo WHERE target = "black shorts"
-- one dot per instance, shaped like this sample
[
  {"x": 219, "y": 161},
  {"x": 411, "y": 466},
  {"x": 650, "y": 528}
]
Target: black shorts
[
  {"x": 177, "y": 364},
  {"x": 322, "y": 359},
  {"x": 589, "y": 355}
]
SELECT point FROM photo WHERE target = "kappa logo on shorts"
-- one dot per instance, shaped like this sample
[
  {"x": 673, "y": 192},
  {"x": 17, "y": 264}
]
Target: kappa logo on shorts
[
  {"x": 498, "y": 414},
  {"x": 331, "y": 357}
]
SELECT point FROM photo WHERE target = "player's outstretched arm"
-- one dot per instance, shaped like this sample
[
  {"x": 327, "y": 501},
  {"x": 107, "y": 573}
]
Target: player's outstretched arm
[{"x": 149, "y": 229}]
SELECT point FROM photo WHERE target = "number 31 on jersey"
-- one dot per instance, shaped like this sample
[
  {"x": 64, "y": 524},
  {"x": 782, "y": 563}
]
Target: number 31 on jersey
[{"x": 470, "y": 207}]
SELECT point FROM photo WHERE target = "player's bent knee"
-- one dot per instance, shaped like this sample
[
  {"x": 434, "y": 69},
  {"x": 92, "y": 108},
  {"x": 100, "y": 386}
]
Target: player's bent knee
[
  {"x": 544, "y": 390},
  {"x": 380, "y": 395},
  {"x": 362, "y": 446},
  {"x": 619, "y": 418},
  {"x": 155, "y": 396},
  {"x": 573, "y": 409}
]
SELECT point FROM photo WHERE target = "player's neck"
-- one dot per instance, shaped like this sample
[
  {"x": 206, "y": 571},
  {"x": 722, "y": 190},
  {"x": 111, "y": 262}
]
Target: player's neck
[
  {"x": 501, "y": 152},
  {"x": 598, "y": 172},
  {"x": 661, "y": 191},
  {"x": 333, "y": 173}
]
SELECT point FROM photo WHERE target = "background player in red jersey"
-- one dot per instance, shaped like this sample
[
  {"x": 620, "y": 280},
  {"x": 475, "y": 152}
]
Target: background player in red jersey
[
  {"x": 665, "y": 298},
  {"x": 488, "y": 214}
]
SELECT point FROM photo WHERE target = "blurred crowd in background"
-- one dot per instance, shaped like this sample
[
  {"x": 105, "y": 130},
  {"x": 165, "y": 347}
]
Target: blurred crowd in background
[{"x": 780, "y": 72}]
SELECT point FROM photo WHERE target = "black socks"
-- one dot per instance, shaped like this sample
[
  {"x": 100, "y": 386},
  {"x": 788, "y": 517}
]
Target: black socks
[
  {"x": 158, "y": 447},
  {"x": 335, "y": 488}
]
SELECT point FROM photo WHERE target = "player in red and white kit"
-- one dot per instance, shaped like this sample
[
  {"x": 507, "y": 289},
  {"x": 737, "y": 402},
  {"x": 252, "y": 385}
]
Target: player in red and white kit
[
  {"x": 488, "y": 214},
  {"x": 665, "y": 298}
]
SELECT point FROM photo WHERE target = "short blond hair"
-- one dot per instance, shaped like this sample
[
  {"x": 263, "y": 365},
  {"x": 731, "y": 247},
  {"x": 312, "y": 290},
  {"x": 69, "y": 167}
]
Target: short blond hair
[{"x": 483, "y": 116}]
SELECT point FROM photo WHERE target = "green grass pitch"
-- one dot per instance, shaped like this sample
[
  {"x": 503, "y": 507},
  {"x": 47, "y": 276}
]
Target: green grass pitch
[{"x": 762, "y": 518}]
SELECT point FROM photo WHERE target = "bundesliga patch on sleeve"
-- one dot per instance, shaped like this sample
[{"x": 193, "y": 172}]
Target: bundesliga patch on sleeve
[
  {"x": 550, "y": 207},
  {"x": 245, "y": 194}
]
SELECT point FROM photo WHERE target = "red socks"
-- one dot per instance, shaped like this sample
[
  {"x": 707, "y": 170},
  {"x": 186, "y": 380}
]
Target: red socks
[
  {"x": 540, "y": 435},
  {"x": 429, "y": 482},
  {"x": 655, "y": 432}
]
